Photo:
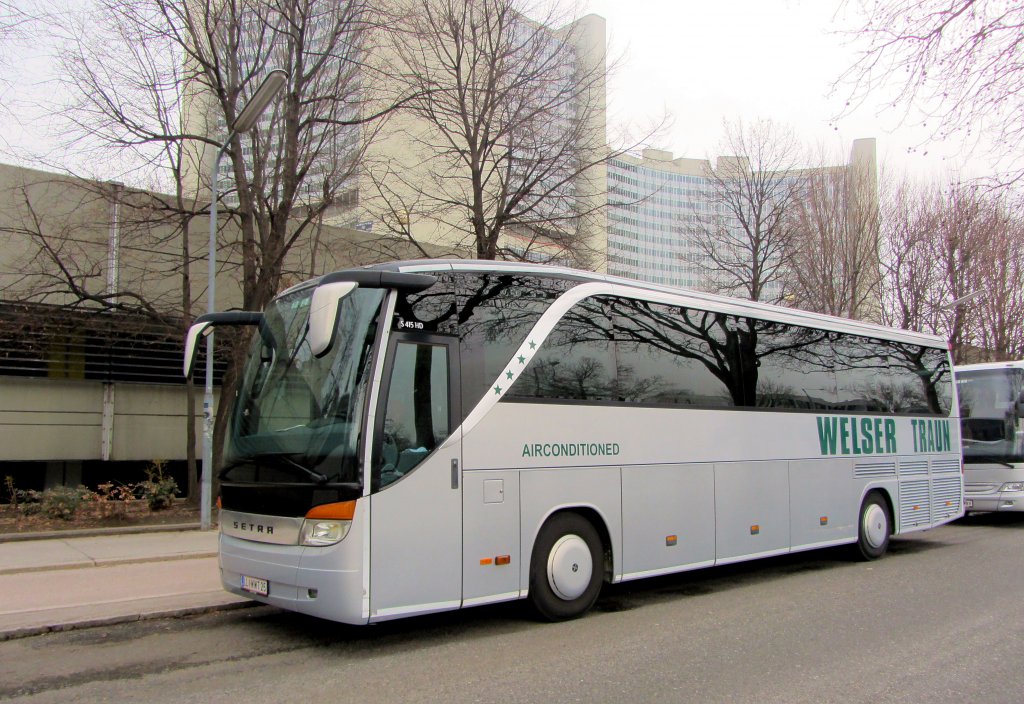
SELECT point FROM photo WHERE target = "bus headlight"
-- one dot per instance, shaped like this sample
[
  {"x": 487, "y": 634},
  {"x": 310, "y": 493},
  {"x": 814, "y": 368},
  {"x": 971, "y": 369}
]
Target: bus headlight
[
  {"x": 320, "y": 533},
  {"x": 327, "y": 524},
  {"x": 1012, "y": 486}
]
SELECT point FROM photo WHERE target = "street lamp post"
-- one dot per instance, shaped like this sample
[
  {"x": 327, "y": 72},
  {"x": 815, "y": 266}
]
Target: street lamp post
[{"x": 246, "y": 121}]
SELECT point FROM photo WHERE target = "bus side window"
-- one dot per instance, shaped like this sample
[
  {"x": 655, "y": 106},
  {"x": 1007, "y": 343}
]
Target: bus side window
[{"x": 416, "y": 418}]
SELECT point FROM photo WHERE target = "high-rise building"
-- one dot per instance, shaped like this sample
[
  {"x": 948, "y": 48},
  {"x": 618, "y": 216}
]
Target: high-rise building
[
  {"x": 655, "y": 198},
  {"x": 392, "y": 159}
]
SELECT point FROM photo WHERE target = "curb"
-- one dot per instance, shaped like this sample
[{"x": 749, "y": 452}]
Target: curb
[
  {"x": 31, "y": 631},
  {"x": 93, "y": 532},
  {"x": 108, "y": 562}
]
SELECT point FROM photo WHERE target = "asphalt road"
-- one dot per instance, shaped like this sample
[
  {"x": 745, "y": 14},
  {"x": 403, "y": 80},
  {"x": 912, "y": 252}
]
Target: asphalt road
[{"x": 940, "y": 619}]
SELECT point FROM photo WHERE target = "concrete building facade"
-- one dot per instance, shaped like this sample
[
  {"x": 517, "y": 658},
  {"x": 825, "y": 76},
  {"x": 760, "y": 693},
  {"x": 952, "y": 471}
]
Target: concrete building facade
[
  {"x": 89, "y": 393},
  {"x": 393, "y": 158}
]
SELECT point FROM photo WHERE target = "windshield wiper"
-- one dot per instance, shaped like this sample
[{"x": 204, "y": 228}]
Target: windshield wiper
[
  {"x": 278, "y": 459},
  {"x": 311, "y": 473}
]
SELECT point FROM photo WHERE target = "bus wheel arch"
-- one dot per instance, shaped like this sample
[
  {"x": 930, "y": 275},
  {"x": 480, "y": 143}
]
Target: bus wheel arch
[
  {"x": 875, "y": 524},
  {"x": 570, "y": 560}
]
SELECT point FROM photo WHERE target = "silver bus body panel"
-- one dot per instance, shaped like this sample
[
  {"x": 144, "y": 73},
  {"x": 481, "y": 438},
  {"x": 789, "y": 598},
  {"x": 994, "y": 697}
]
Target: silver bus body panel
[
  {"x": 719, "y": 511},
  {"x": 417, "y": 524},
  {"x": 320, "y": 581},
  {"x": 660, "y": 501},
  {"x": 490, "y": 499}
]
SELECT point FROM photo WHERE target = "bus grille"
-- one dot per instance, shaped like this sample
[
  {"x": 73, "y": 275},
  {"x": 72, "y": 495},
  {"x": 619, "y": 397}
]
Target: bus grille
[
  {"x": 874, "y": 470},
  {"x": 945, "y": 498},
  {"x": 913, "y": 467},
  {"x": 945, "y": 466},
  {"x": 914, "y": 504}
]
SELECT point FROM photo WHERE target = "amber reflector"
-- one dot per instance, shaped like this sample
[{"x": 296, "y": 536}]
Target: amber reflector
[{"x": 342, "y": 511}]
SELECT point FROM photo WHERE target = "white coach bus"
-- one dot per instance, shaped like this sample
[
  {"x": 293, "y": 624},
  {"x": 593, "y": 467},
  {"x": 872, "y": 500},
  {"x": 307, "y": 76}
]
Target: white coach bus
[
  {"x": 992, "y": 431},
  {"x": 422, "y": 436}
]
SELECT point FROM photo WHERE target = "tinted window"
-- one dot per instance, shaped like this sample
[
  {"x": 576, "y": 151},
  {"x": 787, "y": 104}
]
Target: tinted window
[
  {"x": 432, "y": 310},
  {"x": 864, "y": 377},
  {"x": 673, "y": 355},
  {"x": 794, "y": 367},
  {"x": 883, "y": 376},
  {"x": 495, "y": 313},
  {"x": 576, "y": 360},
  {"x": 923, "y": 378},
  {"x": 416, "y": 419}
]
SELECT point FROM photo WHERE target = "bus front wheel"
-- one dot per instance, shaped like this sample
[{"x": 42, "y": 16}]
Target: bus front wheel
[
  {"x": 874, "y": 526},
  {"x": 567, "y": 568}
]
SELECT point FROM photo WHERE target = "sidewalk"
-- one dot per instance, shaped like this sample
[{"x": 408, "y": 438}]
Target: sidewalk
[{"x": 59, "y": 583}]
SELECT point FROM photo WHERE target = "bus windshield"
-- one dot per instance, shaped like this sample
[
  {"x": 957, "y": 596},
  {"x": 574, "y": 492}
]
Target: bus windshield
[
  {"x": 990, "y": 417},
  {"x": 297, "y": 418}
]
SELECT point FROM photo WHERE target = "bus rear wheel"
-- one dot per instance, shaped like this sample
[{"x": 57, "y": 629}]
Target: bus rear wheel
[
  {"x": 874, "y": 527},
  {"x": 567, "y": 568}
]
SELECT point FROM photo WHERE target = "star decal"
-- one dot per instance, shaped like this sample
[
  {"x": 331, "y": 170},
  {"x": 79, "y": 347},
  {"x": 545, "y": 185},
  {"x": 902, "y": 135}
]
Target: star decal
[
  {"x": 522, "y": 359},
  {"x": 509, "y": 374},
  {"x": 533, "y": 345},
  {"x": 497, "y": 390}
]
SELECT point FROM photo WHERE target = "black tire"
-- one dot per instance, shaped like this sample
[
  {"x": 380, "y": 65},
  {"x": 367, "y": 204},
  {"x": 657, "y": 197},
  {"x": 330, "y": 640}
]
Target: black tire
[
  {"x": 558, "y": 590},
  {"x": 874, "y": 526}
]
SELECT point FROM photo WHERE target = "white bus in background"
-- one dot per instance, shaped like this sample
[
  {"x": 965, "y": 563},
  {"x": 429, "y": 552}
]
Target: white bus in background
[
  {"x": 429, "y": 435},
  {"x": 992, "y": 432}
]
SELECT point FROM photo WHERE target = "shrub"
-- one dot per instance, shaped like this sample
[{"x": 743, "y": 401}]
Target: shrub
[
  {"x": 158, "y": 490},
  {"x": 11, "y": 491},
  {"x": 62, "y": 502},
  {"x": 112, "y": 500}
]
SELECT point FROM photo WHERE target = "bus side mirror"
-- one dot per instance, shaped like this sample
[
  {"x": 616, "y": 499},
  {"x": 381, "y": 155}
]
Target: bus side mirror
[
  {"x": 204, "y": 329},
  {"x": 204, "y": 325},
  {"x": 323, "y": 314}
]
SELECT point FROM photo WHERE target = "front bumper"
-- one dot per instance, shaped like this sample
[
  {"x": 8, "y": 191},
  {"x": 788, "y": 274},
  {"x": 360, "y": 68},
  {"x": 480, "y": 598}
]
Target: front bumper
[
  {"x": 1003, "y": 501},
  {"x": 326, "y": 582}
]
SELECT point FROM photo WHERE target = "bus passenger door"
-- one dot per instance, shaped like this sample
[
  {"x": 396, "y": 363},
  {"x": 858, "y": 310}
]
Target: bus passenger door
[{"x": 416, "y": 505}]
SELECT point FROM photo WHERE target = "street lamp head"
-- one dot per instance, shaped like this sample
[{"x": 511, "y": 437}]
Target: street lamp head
[
  {"x": 963, "y": 299},
  {"x": 260, "y": 100}
]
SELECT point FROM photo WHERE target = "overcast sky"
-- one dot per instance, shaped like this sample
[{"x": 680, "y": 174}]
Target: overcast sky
[
  {"x": 699, "y": 61},
  {"x": 703, "y": 61}
]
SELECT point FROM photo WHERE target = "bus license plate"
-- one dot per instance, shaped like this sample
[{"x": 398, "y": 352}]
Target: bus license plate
[
  {"x": 968, "y": 503},
  {"x": 255, "y": 585}
]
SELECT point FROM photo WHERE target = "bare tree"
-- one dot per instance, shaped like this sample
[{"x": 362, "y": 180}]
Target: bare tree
[
  {"x": 156, "y": 84},
  {"x": 741, "y": 241},
  {"x": 505, "y": 143},
  {"x": 19, "y": 23},
  {"x": 910, "y": 277},
  {"x": 832, "y": 257},
  {"x": 999, "y": 310},
  {"x": 955, "y": 243},
  {"x": 958, "y": 62}
]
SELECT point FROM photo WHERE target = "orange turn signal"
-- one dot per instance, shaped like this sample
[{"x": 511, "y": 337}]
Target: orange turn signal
[{"x": 341, "y": 511}]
